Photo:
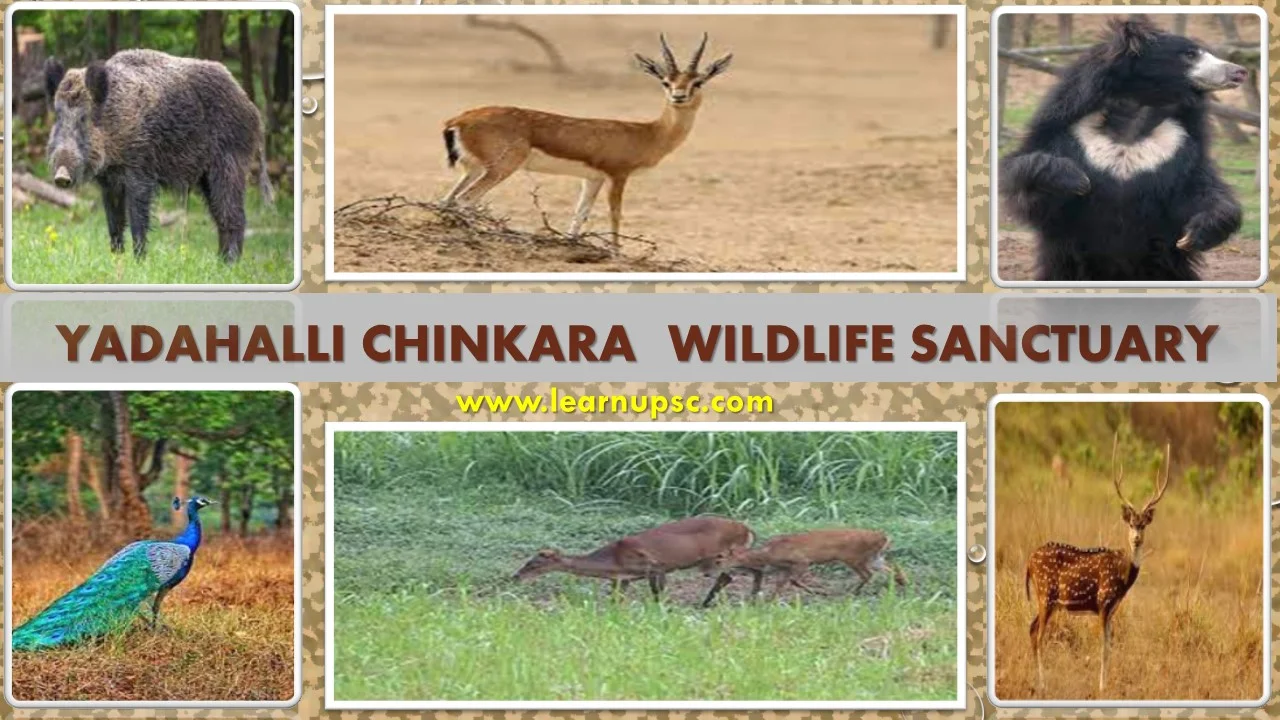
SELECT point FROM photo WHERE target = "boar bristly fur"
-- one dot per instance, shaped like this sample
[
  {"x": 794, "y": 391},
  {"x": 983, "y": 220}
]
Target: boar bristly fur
[{"x": 144, "y": 120}]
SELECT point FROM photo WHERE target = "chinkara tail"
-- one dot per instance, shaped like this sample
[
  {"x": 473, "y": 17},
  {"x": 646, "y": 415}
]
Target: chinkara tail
[
  {"x": 107, "y": 602},
  {"x": 451, "y": 145},
  {"x": 1026, "y": 583}
]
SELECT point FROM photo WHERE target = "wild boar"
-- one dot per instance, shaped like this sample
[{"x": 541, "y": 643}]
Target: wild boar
[{"x": 144, "y": 120}]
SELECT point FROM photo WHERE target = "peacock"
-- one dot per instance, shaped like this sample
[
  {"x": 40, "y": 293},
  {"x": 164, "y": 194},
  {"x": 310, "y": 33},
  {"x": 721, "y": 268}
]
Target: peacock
[{"x": 110, "y": 599}]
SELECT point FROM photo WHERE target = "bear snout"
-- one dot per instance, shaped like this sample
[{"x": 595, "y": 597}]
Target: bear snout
[{"x": 1237, "y": 75}]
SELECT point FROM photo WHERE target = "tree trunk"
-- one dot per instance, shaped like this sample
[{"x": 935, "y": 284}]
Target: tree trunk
[
  {"x": 1229, "y": 30},
  {"x": 95, "y": 482},
  {"x": 1180, "y": 24},
  {"x": 181, "y": 484},
  {"x": 941, "y": 31},
  {"x": 75, "y": 452},
  {"x": 1004, "y": 32},
  {"x": 135, "y": 18},
  {"x": 284, "y": 61},
  {"x": 113, "y": 32},
  {"x": 209, "y": 34},
  {"x": 136, "y": 516},
  {"x": 224, "y": 504},
  {"x": 111, "y": 476},
  {"x": 1028, "y": 30},
  {"x": 246, "y": 60},
  {"x": 284, "y": 498},
  {"x": 1065, "y": 28},
  {"x": 246, "y": 510},
  {"x": 266, "y": 51}
]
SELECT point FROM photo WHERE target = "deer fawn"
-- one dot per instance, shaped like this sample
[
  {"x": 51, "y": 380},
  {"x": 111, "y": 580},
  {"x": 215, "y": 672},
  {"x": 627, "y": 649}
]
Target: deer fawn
[
  {"x": 692, "y": 542},
  {"x": 491, "y": 143},
  {"x": 1090, "y": 580},
  {"x": 863, "y": 551}
]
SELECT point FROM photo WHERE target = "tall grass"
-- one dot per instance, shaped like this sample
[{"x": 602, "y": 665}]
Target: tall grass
[
  {"x": 805, "y": 474},
  {"x": 1191, "y": 626}
]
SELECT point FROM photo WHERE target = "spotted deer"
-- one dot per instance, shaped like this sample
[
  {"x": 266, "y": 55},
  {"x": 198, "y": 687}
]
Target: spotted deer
[
  {"x": 1090, "y": 581},
  {"x": 491, "y": 143}
]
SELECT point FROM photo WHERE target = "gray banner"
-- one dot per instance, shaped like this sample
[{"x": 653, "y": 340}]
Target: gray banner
[{"x": 1119, "y": 338}]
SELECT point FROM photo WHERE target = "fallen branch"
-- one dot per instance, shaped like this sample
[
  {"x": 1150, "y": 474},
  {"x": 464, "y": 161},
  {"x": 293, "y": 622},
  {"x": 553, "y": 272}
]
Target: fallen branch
[
  {"x": 476, "y": 222},
  {"x": 19, "y": 197},
  {"x": 554, "y": 57},
  {"x": 1234, "y": 53},
  {"x": 44, "y": 190},
  {"x": 1021, "y": 59}
]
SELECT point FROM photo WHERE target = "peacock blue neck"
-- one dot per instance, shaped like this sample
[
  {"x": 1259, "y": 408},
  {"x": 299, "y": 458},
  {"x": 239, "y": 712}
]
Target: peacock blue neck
[{"x": 191, "y": 535}]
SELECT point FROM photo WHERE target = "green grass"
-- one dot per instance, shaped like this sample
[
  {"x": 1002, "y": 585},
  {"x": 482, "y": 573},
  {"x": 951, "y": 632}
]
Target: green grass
[
  {"x": 430, "y": 527},
  {"x": 53, "y": 245},
  {"x": 499, "y": 648}
]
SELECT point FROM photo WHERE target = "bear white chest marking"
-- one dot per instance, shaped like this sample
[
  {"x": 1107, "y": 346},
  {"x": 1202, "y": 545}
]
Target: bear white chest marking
[{"x": 1126, "y": 160}]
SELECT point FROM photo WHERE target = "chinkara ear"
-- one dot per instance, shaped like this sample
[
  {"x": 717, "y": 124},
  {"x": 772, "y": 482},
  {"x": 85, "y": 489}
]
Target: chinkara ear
[
  {"x": 717, "y": 67},
  {"x": 53, "y": 74},
  {"x": 177, "y": 503},
  {"x": 95, "y": 76},
  {"x": 650, "y": 67}
]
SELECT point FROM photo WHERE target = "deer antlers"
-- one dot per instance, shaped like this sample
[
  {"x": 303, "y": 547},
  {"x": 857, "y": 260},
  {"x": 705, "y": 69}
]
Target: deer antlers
[{"x": 1118, "y": 475}]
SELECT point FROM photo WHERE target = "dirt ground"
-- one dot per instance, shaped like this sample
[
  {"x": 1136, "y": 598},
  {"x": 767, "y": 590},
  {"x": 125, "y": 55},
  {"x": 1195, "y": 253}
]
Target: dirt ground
[
  {"x": 1238, "y": 259},
  {"x": 828, "y": 146}
]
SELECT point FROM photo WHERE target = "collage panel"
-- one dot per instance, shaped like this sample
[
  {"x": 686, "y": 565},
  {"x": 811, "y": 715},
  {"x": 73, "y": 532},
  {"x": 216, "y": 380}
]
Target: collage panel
[
  {"x": 879, "y": 480},
  {"x": 1095, "y": 599},
  {"x": 609, "y": 142},
  {"x": 153, "y": 147},
  {"x": 601, "y": 565},
  {"x": 1127, "y": 148},
  {"x": 153, "y": 549}
]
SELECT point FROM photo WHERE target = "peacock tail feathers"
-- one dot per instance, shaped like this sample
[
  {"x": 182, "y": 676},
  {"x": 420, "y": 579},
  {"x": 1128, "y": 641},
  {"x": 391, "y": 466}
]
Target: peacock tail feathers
[{"x": 109, "y": 600}]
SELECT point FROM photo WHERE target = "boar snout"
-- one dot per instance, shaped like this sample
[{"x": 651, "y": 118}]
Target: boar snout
[{"x": 62, "y": 177}]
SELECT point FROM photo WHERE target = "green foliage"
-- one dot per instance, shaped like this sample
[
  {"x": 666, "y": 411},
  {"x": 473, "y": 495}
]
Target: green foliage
[
  {"x": 239, "y": 439},
  {"x": 1216, "y": 447}
]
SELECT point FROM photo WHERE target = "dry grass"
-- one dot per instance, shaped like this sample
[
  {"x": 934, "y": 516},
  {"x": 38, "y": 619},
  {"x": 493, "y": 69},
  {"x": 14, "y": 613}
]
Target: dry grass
[
  {"x": 1191, "y": 626},
  {"x": 227, "y": 635}
]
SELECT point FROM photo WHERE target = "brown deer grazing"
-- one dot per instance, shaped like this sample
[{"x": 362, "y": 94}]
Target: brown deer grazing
[
  {"x": 692, "y": 542},
  {"x": 1090, "y": 580},
  {"x": 863, "y": 551}
]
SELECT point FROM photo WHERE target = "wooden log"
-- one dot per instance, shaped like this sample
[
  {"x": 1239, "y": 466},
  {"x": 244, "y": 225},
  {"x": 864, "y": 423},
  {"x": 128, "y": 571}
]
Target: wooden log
[
  {"x": 44, "y": 190},
  {"x": 20, "y": 198},
  {"x": 1021, "y": 59}
]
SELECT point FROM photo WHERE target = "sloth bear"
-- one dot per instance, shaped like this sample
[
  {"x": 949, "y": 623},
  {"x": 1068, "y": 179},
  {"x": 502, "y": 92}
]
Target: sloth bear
[{"x": 1114, "y": 174}]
